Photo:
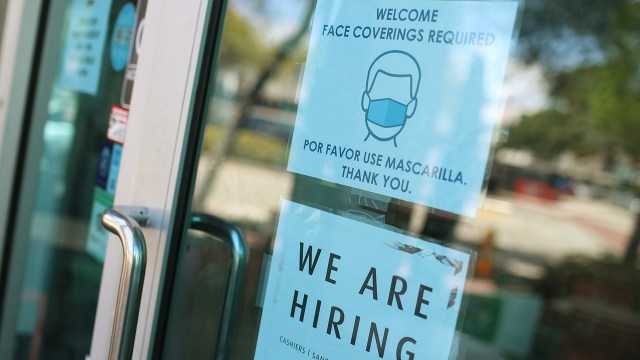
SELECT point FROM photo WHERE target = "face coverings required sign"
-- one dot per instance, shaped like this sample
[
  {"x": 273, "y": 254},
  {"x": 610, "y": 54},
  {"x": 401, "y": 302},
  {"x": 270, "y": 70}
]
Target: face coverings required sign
[
  {"x": 341, "y": 289},
  {"x": 401, "y": 97}
]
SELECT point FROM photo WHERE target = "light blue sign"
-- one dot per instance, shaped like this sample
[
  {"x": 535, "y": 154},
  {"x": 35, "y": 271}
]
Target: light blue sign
[
  {"x": 401, "y": 98},
  {"x": 114, "y": 169},
  {"x": 84, "y": 45},
  {"x": 341, "y": 289},
  {"x": 121, "y": 36}
]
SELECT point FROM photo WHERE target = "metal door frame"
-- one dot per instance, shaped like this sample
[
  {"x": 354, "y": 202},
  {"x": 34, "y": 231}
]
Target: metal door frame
[{"x": 153, "y": 159}]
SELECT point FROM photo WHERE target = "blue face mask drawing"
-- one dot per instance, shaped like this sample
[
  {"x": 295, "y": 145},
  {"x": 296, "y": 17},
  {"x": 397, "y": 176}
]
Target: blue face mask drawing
[
  {"x": 390, "y": 95},
  {"x": 387, "y": 112}
]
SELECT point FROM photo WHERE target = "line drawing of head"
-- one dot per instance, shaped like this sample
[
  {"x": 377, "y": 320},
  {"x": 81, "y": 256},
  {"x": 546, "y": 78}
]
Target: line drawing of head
[{"x": 390, "y": 95}]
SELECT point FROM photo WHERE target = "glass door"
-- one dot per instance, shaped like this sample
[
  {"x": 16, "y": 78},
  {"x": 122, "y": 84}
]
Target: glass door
[
  {"x": 536, "y": 261},
  {"x": 72, "y": 156},
  {"x": 217, "y": 298},
  {"x": 173, "y": 40},
  {"x": 65, "y": 169},
  {"x": 552, "y": 244}
]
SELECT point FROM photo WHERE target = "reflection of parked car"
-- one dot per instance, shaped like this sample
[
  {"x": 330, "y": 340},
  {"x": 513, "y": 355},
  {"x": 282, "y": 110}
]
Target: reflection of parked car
[
  {"x": 537, "y": 188},
  {"x": 545, "y": 184}
]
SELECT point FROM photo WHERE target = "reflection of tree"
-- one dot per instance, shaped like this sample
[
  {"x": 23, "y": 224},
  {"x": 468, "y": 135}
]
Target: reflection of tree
[
  {"x": 566, "y": 126},
  {"x": 241, "y": 46},
  {"x": 590, "y": 51},
  {"x": 247, "y": 99}
]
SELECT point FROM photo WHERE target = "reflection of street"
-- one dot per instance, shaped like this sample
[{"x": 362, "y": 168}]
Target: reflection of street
[
  {"x": 247, "y": 193},
  {"x": 550, "y": 230},
  {"x": 539, "y": 230}
]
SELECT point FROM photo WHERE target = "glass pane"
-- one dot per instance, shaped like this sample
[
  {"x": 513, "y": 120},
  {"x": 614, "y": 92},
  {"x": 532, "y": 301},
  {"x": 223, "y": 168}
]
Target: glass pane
[
  {"x": 199, "y": 301},
  {"x": 556, "y": 232},
  {"x": 79, "y": 80}
]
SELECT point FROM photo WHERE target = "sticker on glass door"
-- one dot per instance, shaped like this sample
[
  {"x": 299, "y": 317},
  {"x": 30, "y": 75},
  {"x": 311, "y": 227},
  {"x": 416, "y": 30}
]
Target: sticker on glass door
[
  {"x": 341, "y": 289},
  {"x": 401, "y": 98}
]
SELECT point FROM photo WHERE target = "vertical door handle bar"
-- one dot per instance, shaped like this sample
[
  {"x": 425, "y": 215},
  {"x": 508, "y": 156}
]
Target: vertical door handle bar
[
  {"x": 219, "y": 228},
  {"x": 131, "y": 280}
]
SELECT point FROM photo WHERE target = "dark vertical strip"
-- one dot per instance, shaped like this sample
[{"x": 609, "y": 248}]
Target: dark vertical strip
[{"x": 21, "y": 156}]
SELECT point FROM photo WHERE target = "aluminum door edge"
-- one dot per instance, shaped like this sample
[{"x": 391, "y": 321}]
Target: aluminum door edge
[{"x": 151, "y": 156}]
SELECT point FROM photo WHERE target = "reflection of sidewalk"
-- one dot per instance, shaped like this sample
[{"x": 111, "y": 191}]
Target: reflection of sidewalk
[
  {"x": 245, "y": 191},
  {"x": 551, "y": 230}
]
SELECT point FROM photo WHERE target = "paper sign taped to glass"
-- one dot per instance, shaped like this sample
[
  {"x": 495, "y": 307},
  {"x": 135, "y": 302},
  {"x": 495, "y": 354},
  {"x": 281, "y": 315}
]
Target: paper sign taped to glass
[
  {"x": 401, "y": 97},
  {"x": 84, "y": 45},
  {"x": 341, "y": 289}
]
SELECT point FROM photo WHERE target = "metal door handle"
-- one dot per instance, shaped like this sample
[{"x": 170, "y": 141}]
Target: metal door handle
[
  {"x": 217, "y": 227},
  {"x": 125, "y": 321}
]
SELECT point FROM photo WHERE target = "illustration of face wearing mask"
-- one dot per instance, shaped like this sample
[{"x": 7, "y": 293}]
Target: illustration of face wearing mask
[{"x": 390, "y": 95}]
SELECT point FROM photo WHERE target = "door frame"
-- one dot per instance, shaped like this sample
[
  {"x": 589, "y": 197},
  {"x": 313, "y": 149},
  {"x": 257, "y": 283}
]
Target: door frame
[
  {"x": 21, "y": 34},
  {"x": 26, "y": 36},
  {"x": 163, "y": 134},
  {"x": 159, "y": 156}
]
